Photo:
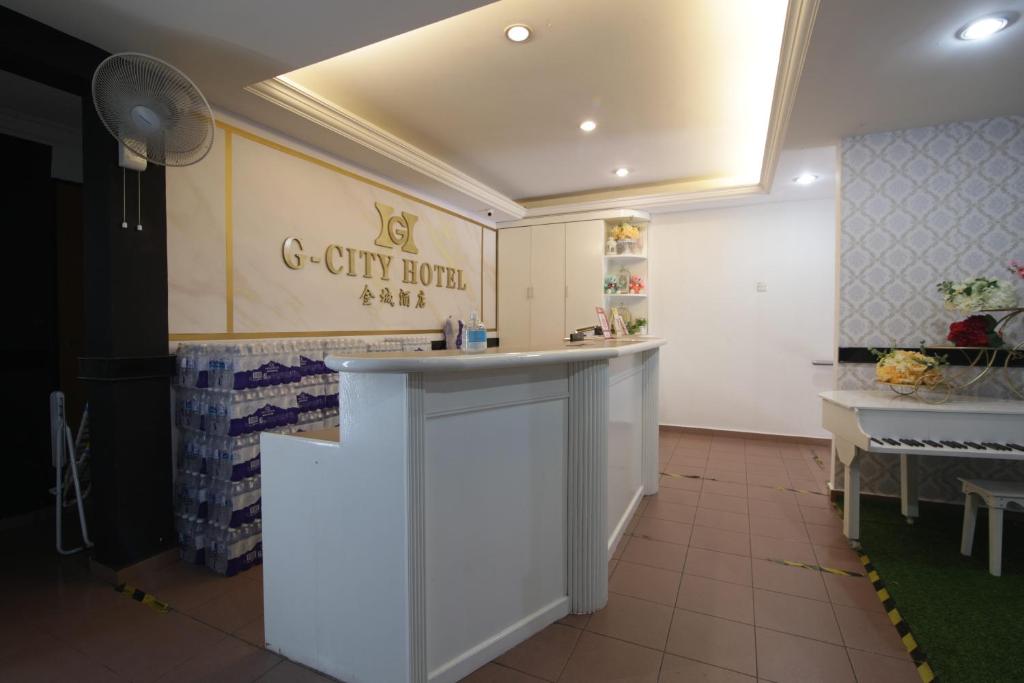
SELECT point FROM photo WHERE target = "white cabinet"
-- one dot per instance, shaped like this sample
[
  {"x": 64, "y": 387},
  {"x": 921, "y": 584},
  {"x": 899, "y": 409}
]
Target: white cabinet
[
  {"x": 514, "y": 287},
  {"x": 547, "y": 284},
  {"x": 531, "y": 285},
  {"x": 584, "y": 272}
]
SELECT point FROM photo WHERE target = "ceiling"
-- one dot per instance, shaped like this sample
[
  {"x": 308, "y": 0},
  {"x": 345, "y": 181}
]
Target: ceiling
[
  {"x": 650, "y": 73},
  {"x": 876, "y": 65},
  {"x": 659, "y": 76}
]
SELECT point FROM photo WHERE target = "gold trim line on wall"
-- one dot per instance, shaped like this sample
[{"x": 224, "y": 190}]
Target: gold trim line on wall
[
  {"x": 229, "y": 233},
  {"x": 253, "y": 137},
  {"x": 231, "y": 336}
]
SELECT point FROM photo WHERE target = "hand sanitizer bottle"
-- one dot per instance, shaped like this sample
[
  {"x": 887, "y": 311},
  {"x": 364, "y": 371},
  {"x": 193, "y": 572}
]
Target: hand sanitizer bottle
[{"x": 474, "y": 338}]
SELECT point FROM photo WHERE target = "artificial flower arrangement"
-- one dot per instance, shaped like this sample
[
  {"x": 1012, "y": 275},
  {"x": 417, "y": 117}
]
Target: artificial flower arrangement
[
  {"x": 611, "y": 284},
  {"x": 636, "y": 325},
  {"x": 636, "y": 284},
  {"x": 976, "y": 330},
  {"x": 977, "y": 294},
  {"x": 625, "y": 231},
  {"x": 897, "y": 366},
  {"x": 626, "y": 238}
]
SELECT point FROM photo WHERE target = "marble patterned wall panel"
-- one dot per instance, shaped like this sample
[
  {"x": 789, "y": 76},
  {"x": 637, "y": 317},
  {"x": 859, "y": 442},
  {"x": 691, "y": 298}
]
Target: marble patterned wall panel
[
  {"x": 228, "y": 271},
  {"x": 920, "y": 206}
]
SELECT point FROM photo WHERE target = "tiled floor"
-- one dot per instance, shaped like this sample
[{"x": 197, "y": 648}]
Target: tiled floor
[{"x": 694, "y": 596}]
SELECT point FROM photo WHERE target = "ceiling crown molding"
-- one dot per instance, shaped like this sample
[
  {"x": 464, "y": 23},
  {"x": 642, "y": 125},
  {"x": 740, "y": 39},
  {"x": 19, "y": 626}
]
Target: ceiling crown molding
[
  {"x": 310, "y": 106},
  {"x": 796, "y": 39}
]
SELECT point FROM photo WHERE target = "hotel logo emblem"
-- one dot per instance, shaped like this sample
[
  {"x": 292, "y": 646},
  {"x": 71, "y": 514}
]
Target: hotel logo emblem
[{"x": 396, "y": 231}]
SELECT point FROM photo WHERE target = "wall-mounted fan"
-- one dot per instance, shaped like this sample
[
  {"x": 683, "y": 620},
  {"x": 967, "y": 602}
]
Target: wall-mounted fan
[{"x": 155, "y": 112}]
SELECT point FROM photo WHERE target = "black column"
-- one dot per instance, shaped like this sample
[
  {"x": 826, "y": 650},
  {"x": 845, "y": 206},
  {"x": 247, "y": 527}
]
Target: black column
[{"x": 125, "y": 369}]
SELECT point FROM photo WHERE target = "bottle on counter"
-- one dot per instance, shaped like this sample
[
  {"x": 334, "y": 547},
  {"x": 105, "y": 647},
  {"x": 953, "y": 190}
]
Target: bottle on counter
[{"x": 474, "y": 339}]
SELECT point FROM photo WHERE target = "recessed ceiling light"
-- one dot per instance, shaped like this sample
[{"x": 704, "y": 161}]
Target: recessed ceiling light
[
  {"x": 518, "y": 33},
  {"x": 622, "y": 172},
  {"x": 805, "y": 179},
  {"x": 588, "y": 126},
  {"x": 984, "y": 27}
]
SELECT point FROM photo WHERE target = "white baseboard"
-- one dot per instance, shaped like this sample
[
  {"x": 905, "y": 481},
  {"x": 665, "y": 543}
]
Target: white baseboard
[{"x": 469, "y": 661}]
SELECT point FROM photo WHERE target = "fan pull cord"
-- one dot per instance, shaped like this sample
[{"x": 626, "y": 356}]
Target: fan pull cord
[
  {"x": 124, "y": 200},
  {"x": 138, "y": 177}
]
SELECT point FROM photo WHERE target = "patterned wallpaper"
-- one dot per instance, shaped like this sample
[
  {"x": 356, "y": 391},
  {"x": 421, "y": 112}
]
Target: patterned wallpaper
[{"x": 920, "y": 206}]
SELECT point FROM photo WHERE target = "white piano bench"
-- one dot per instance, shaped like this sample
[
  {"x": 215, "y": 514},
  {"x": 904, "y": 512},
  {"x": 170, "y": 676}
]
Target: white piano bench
[{"x": 997, "y": 495}]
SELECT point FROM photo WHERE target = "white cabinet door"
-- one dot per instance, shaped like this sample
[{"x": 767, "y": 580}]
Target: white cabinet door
[
  {"x": 584, "y": 272},
  {"x": 547, "y": 265},
  {"x": 513, "y": 285}
]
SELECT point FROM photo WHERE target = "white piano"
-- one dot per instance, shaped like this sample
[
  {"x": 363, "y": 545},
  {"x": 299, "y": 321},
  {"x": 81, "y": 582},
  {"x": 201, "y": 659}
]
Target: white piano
[{"x": 885, "y": 423}]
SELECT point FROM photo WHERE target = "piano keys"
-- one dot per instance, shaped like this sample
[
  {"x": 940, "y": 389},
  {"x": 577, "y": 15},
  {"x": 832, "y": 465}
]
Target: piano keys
[{"x": 886, "y": 423}]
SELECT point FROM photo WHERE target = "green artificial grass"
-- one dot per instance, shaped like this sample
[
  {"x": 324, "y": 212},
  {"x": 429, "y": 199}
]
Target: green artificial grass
[{"x": 969, "y": 623}]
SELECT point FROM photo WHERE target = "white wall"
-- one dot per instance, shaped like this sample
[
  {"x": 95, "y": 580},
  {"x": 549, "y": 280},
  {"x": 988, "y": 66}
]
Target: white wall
[{"x": 738, "y": 359}]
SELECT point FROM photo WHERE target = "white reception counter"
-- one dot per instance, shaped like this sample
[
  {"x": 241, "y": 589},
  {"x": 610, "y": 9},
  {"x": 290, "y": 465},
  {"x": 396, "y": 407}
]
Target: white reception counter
[{"x": 471, "y": 501}]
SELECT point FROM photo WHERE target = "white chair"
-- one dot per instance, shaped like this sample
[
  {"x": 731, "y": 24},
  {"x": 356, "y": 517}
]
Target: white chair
[{"x": 997, "y": 495}]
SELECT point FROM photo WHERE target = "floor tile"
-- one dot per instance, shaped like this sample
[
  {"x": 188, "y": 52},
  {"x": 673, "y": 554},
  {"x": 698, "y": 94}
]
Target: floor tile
[
  {"x": 663, "y": 530},
  {"x": 231, "y": 660},
  {"x": 721, "y": 540},
  {"x": 674, "y": 483},
  {"x": 823, "y": 516},
  {"x": 544, "y": 654},
  {"x": 771, "y": 494},
  {"x": 678, "y": 496},
  {"x": 726, "y": 475},
  {"x": 730, "y": 521},
  {"x": 647, "y": 583},
  {"x": 715, "y": 501},
  {"x": 655, "y": 553},
  {"x": 46, "y": 658},
  {"x": 769, "y": 480},
  {"x": 290, "y": 672},
  {"x": 252, "y": 633},
  {"x": 870, "y": 631},
  {"x": 681, "y": 670},
  {"x": 717, "y": 598},
  {"x": 634, "y": 620},
  {"x": 798, "y": 616},
  {"x": 495, "y": 673},
  {"x": 232, "y": 610},
  {"x": 852, "y": 591},
  {"x": 871, "y": 667},
  {"x": 725, "y": 488},
  {"x": 768, "y": 548},
  {"x": 774, "y": 509},
  {"x": 840, "y": 558},
  {"x": 784, "y": 658},
  {"x": 827, "y": 535},
  {"x": 714, "y": 641},
  {"x": 782, "y": 578},
  {"x": 575, "y": 620},
  {"x": 785, "y": 529},
  {"x": 671, "y": 511},
  {"x": 597, "y": 659},
  {"x": 715, "y": 565}
]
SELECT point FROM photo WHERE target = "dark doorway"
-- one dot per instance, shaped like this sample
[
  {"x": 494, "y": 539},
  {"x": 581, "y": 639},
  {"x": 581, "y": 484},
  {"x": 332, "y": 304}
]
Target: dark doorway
[{"x": 29, "y": 281}]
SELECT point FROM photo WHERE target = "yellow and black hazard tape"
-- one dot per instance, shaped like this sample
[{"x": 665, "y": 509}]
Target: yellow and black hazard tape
[
  {"x": 816, "y": 567},
  {"x": 143, "y": 597},
  {"x": 676, "y": 475},
  {"x": 924, "y": 670}
]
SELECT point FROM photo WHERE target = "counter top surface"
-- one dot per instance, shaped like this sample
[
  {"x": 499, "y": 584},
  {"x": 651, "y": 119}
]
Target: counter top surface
[{"x": 496, "y": 358}]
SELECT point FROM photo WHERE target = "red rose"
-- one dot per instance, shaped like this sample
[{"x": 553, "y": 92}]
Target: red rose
[{"x": 977, "y": 330}]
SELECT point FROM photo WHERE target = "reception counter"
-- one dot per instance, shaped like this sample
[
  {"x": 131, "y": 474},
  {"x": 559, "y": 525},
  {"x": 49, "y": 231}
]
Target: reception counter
[{"x": 470, "y": 501}]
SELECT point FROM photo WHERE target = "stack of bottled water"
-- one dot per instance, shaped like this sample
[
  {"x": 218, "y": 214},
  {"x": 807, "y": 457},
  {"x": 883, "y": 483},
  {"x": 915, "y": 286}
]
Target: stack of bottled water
[{"x": 227, "y": 394}]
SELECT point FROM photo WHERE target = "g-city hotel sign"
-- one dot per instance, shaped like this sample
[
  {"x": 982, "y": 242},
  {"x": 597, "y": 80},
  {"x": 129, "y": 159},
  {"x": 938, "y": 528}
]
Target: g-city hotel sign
[{"x": 396, "y": 230}]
